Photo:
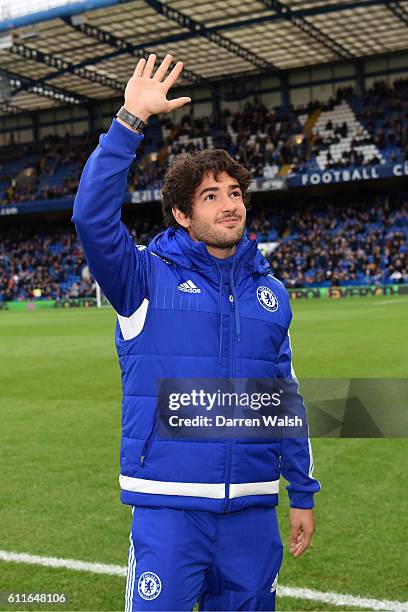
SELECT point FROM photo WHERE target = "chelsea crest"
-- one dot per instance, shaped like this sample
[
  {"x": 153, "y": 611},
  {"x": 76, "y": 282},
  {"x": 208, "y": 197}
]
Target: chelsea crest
[
  {"x": 267, "y": 298},
  {"x": 149, "y": 585}
]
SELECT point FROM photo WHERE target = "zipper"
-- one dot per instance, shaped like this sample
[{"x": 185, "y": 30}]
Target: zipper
[
  {"x": 148, "y": 442},
  {"x": 229, "y": 442}
]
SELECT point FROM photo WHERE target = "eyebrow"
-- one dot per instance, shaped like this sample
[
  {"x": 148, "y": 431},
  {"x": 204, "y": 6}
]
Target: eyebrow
[{"x": 233, "y": 186}]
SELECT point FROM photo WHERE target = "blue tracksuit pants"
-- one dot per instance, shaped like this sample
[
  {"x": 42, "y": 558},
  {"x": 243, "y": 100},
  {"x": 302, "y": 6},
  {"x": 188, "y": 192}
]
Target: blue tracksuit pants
[{"x": 223, "y": 561}]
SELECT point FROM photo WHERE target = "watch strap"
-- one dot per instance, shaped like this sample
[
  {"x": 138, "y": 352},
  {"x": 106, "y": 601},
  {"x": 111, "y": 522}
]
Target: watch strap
[{"x": 135, "y": 122}]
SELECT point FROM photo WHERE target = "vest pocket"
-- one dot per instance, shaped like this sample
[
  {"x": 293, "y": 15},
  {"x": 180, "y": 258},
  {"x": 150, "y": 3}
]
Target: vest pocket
[{"x": 149, "y": 440}]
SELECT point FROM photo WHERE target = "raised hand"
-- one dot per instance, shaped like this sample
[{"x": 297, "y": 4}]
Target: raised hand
[{"x": 146, "y": 95}]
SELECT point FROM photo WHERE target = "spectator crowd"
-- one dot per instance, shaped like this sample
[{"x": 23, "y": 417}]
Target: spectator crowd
[
  {"x": 383, "y": 111},
  {"x": 313, "y": 244},
  {"x": 350, "y": 245},
  {"x": 264, "y": 140},
  {"x": 310, "y": 244},
  {"x": 43, "y": 171}
]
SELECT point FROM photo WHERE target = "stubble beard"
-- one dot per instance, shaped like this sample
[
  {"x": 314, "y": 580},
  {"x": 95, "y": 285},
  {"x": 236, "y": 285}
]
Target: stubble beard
[{"x": 214, "y": 237}]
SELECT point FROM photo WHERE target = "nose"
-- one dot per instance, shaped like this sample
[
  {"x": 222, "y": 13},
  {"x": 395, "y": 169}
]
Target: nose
[{"x": 228, "y": 205}]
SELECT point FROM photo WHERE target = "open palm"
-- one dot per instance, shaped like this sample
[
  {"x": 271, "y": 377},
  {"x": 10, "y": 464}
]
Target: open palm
[{"x": 146, "y": 95}]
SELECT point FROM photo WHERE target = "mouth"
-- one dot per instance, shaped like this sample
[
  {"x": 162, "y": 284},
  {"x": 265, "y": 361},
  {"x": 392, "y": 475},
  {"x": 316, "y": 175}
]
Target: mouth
[{"x": 229, "y": 222}]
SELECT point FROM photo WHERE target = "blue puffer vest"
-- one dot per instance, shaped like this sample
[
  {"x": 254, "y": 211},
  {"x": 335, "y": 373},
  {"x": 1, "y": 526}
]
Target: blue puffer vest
[
  {"x": 176, "y": 318},
  {"x": 204, "y": 333}
]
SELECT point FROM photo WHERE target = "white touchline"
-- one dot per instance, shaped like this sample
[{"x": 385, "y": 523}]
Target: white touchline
[
  {"x": 335, "y": 599},
  {"x": 390, "y": 301},
  {"x": 72, "y": 564}
]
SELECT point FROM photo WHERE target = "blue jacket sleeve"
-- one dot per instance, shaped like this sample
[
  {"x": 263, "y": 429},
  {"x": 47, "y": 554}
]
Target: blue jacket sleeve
[
  {"x": 120, "y": 268},
  {"x": 296, "y": 453}
]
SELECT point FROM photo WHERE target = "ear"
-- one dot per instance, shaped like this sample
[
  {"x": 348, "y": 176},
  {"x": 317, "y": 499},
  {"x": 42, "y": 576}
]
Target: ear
[{"x": 181, "y": 218}]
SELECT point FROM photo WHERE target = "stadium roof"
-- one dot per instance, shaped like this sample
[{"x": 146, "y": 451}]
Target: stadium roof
[{"x": 79, "y": 52}]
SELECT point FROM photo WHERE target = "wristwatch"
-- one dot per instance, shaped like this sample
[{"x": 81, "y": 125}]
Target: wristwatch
[{"x": 130, "y": 119}]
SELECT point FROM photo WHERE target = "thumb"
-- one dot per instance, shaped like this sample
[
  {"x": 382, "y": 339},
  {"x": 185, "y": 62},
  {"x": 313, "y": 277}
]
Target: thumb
[{"x": 177, "y": 103}]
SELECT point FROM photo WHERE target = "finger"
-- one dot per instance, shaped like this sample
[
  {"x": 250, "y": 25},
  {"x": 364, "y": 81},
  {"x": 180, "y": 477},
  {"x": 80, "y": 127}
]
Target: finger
[
  {"x": 294, "y": 535},
  {"x": 297, "y": 548},
  {"x": 303, "y": 545},
  {"x": 149, "y": 65},
  {"x": 295, "y": 540},
  {"x": 174, "y": 75},
  {"x": 139, "y": 67},
  {"x": 178, "y": 103},
  {"x": 162, "y": 69},
  {"x": 295, "y": 545},
  {"x": 298, "y": 552}
]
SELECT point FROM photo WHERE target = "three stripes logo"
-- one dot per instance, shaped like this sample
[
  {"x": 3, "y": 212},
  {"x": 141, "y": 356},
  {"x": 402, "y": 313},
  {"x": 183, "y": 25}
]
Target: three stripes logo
[{"x": 189, "y": 287}]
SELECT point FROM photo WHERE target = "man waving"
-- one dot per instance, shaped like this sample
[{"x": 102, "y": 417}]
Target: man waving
[{"x": 199, "y": 303}]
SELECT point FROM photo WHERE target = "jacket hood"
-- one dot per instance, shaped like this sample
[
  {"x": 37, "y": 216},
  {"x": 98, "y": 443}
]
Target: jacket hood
[{"x": 176, "y": 246}]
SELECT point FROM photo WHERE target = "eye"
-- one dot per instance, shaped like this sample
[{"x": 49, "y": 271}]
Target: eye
[
  {"x": 210, "y": 195},
  {"x": 236, "y": 194}
]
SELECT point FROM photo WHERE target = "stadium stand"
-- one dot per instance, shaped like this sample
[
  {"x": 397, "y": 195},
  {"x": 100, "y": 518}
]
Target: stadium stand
[
  {"x": 383, "y": 111},
  {"x": 367, "y": 130},
  {"x": 342, "y": 141},
  {"x": 43, "y": 171},
  {"x": 47, "y": 265},
  {"x": 345, "y": 132},
  {"x": 365, "y": 243},
  {"x": 313, "y": 245}
]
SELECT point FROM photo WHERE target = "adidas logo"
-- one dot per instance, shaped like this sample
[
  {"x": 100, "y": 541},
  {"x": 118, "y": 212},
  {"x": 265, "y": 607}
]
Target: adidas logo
[{"x": 189, "y": 287}]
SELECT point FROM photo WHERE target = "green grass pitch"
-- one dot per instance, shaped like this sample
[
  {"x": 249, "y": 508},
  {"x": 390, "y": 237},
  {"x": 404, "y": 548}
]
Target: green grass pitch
[{"x": 59, "y": 445}]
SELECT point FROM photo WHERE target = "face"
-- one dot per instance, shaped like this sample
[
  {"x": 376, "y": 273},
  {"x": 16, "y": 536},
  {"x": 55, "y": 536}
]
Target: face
[{"x": 218, "y": 212}]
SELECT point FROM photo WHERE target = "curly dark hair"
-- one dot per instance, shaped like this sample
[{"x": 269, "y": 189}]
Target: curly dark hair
[{"x": 186, "y": 173}]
